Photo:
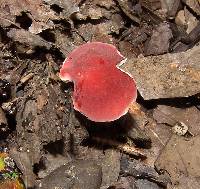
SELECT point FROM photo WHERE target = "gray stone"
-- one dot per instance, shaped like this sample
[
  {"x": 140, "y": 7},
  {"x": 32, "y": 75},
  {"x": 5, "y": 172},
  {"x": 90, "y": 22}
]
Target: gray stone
[
  {"x": 166, "y": 76},
  {"x": 191, "y": 20},
  {"x": 145, "y": 184},
  {"x": 140, "y": 170},
  {"x": 78, "y": 174},
  {"x": 190, "y": 117},
  {"x": 180, "y": 158},
  {"x": 172, "y": 7},
  {"x": 159, "y": 42},
  {"x": 110, "y": 167},
  {"x": 180, "y": 18},
  {"x": 53, "y": 162},
  {"x": 194, "y": 5}
]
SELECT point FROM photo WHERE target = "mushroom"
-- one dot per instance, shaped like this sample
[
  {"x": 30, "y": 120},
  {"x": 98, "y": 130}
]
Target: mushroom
[{"x": 102, "y": 92}]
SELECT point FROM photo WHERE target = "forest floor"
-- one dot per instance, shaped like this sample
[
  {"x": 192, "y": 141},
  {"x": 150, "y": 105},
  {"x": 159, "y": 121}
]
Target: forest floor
[{"x": 46, "y": 144}]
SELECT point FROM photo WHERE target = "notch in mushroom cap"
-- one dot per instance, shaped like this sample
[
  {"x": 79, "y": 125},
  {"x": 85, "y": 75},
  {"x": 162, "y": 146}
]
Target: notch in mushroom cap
[{"x": 102, "y": 92}]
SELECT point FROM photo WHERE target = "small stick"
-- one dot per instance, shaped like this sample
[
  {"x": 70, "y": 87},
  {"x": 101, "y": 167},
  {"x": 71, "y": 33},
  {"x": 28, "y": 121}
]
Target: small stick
[{"x": 132, "y": 150}]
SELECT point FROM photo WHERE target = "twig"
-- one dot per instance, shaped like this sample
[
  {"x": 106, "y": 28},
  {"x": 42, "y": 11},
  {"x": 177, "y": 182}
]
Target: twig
[{"x": 132, "y": 150}]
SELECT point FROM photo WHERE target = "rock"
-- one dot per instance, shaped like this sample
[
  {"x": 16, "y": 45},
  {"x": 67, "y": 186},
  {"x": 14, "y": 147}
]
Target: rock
[
  {"x": 159, "y": 42},
  {"x": 180, "y": 158},
  {"x": 172, "y": 7},
  {"x": 191, "y": 20},
  {"x": 180, "y": 18},
  {"x": 166, "y": 76},
  {"x": 188, "y": 183},
  {"x": 140, "y": 170},
  {"x": 138, "y": 136},
  {"x": 163, "y": 114},
  {"x": 110, "y": 167},
  {"x": 78, "y": 174},
  {"x": 129, "y": 11},
  {"x": 51, "y": 163},
  {"x": 160, "y": 135},
  {"x": 125, "y": 183},
  {"x": 190, "y": 117},
  {"x": 145, "y": 184},
  {"x": 25, "y": 37},
  {"x": 194, "y": 5},
  {"x": 135, "y": 122}
]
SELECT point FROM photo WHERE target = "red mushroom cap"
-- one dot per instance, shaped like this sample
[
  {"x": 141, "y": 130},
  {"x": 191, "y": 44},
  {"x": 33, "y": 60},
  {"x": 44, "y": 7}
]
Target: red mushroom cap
[{"x": 102, "y": 92}]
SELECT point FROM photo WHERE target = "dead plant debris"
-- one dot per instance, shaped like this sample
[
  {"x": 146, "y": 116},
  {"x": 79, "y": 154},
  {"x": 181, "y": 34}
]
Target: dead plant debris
[{"x": 50, "y": 145}]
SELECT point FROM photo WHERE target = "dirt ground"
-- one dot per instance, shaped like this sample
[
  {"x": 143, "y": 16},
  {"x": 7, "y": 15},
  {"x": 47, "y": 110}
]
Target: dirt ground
[{"x": 45, "y": 143}]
